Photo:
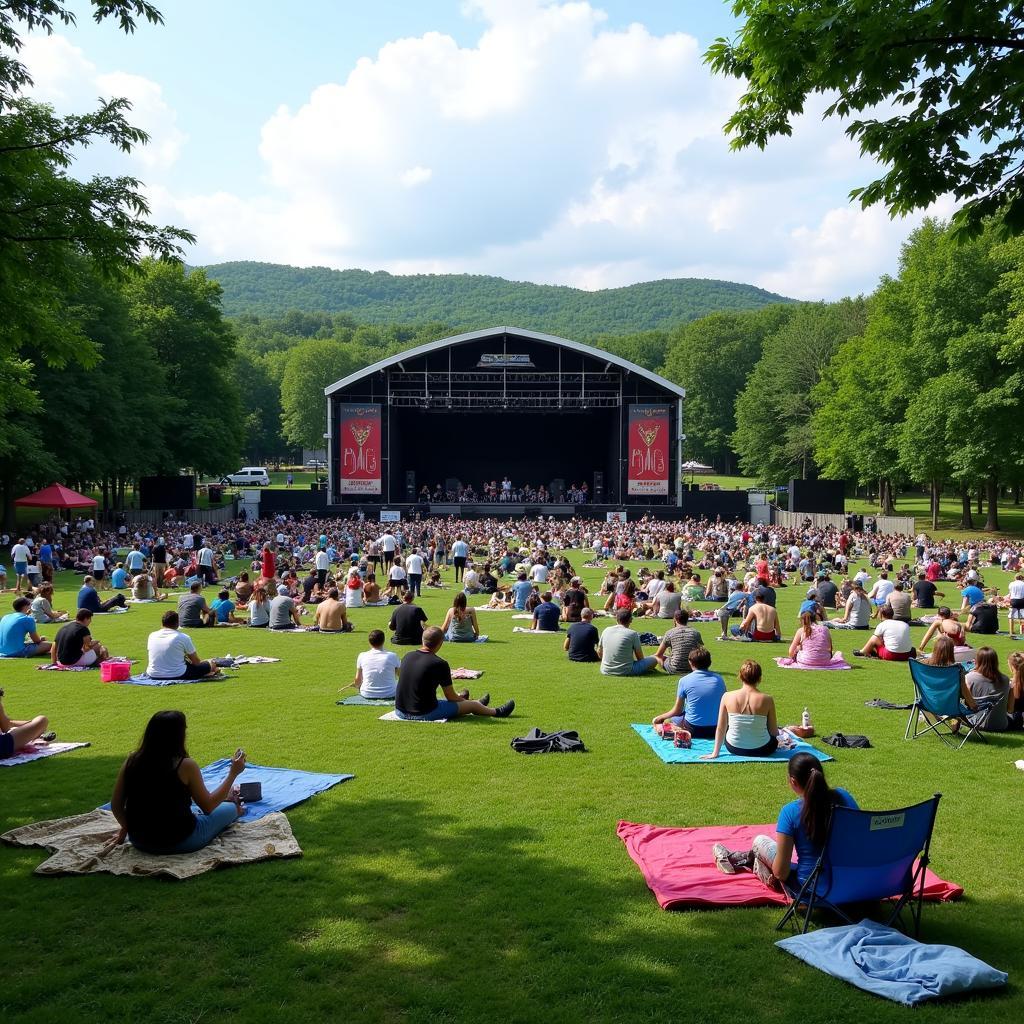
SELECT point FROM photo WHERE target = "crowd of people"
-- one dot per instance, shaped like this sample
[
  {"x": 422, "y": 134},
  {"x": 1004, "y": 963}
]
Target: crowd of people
[{"x": 505, "y": 491}]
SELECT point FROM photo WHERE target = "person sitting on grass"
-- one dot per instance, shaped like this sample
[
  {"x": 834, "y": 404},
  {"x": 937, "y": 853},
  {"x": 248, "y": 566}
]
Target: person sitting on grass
[
  {"x": 407, "y": 622},
  {"x": 890, "y": 641},
  {"x": 666, "y": 602},
  {"x": 546, "y": 615},
  {"x": 224, "y": 609},
  {"x": 18, "y": 636},
  {"x": 673, "y": 655},
  {"x": 857, "y": 610},
  {"x": 945, "y": 624},
  {"x": 990, "y": 689},
  {"x": 259, "y": 608},
  {"x": 377, "y": 669},
  {"x": 157, "y": 786},
  {"x": 582, "y": 638},
  {"x": 734, "y": 607},
  {"x": 75, "y": 646},
  {"x": 193, "y": 611},
  {"x": 698, "y": 699},
  {"x": 984, "y": 618},
  {"x": 460, "y": 625},
  {"x": 331, "y": 614},
  {"x": 144, "y": 589},
  {"x": 172, "y": 654},
  {"x": 421, "y": 673},
  {"x": 284, "y": 612},
  {"x": 354, "y": 589},
  {"x": 88, "y": 598},
  {"x": 761, "y": 623},
  {"x": 500, "y": 599},
  {"x": 1015, "y": 705},
  {"x": 620, "y": 649},
  {"x": 812, "y": 643},
  {"x": 44, "y": 612},
  {"x": 16, "y": 734},
  {"x": 747, "y": 724},
  {"x": 244, "y": 588},
  {"x": 802, "y": 828},
  {"x": 372, "y": 595}
]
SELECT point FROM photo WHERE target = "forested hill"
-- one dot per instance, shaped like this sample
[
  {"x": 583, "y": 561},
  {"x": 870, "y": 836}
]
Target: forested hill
[{"x": 469, "y": 301}]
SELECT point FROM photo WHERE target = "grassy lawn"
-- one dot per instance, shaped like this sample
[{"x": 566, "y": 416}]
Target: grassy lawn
[{"x": 452, "y": 879}]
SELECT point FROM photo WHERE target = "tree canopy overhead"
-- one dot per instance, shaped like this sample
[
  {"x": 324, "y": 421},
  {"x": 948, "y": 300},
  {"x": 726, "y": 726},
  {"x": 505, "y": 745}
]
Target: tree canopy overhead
[{"x": 935, "y": 90}]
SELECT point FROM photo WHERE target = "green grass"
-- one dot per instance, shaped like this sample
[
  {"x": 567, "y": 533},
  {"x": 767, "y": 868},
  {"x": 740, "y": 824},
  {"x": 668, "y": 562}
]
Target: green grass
[{"x": 452, "y": 879}]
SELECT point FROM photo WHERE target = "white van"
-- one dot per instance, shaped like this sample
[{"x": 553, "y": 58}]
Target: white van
[{"x": 249, "y": 476}]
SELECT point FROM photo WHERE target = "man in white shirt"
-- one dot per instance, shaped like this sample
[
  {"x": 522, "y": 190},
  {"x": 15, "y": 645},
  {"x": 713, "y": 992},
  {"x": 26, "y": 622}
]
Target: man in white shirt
[
  {"x": 99, "y": 569},
  {"x": 377, "y": 669},
  {"x": 891, "y": 640},
  {"x": 322, "y": 563},
  {"x": 1016, "y": 593},
  {"x": 539, "y": 573},
  {"x": 20, "y": 555},
  {"x": 471, "y": 581},
  {"x": 460, "y": 552},
  {"x": 172, "y": 655},
  {"x": 205, "y": 562},
  {"x": 188, "y": 542},
  {"x": 397, "y": 580},
  {"x": 880, "y": 592},
  {"x": 414, "y": 572},
  {"x": 388, "y": 543}
]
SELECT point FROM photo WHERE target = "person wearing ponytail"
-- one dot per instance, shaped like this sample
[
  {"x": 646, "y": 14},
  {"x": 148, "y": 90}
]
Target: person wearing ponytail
[{"x": 802, "y": 828}]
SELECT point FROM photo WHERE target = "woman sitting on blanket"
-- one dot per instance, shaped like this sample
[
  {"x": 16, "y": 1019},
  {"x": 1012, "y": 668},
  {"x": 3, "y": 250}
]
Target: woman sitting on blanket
[
  {"x": 500, "y": 599},
  {"x": 1015, "y": 705},
  {"x": 155, "y": 789},
  {"x": 354, "y": 589},
  {"x": 747, "y": 724},
  {"x": 259, "y": 608},
  {"x": 802, "y": 828},
  {"x": 15, "y": 735},
  {"x": 812, "y": 645},
  {"x": 460, "y": 625}
]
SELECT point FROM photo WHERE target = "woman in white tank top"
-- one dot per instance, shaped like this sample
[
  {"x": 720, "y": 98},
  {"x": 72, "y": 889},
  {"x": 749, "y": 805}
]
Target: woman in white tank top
[{"x": 747, "y": 725}]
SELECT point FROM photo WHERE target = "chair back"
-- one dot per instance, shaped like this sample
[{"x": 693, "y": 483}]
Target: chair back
[
  {"x": 937, "y": 687},
  {"x": 870, "y": 855}
]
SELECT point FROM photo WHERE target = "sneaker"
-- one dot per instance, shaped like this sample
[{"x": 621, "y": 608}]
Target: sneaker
[
  {"x": 858, "y": 654},
  {"x": 722, "y": 862},
  {"x": 505, "y": 710},
  {"x": 48, "y": 737},
  {"x": 486, "y": 700},
  {"x": 764, "y": 874}
]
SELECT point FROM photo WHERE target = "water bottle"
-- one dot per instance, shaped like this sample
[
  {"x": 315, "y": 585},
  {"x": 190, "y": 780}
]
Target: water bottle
[{"x": 805, "y": 719}]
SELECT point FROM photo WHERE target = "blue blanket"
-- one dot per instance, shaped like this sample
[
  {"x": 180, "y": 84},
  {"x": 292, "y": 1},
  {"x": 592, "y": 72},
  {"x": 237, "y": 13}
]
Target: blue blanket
[
  {"x": 892, "y": 965},
  {"x": 358, "y": 700},
  {"x": 144, "y": 680},
  {"x": 282, "y": 787},
  {"x": 671, "y": 754}
]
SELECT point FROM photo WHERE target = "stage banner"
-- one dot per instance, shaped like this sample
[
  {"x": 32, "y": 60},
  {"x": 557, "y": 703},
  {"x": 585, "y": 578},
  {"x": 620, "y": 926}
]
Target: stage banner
[
  {"x": 648, "y": 449},
  {"x": 360, "y": 449}
]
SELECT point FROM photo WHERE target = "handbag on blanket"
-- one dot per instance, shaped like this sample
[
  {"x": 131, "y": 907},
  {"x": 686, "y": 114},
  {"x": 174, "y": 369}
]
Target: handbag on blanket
[{"x": 838, "y": 739}]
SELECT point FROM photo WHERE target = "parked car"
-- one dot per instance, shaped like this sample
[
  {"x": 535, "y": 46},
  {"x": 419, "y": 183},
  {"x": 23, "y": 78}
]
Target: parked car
[{"x": 248, "y": 476}]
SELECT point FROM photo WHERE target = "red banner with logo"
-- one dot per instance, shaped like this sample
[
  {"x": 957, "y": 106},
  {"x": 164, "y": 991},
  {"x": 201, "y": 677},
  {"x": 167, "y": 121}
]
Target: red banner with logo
[
  {"x": 360, "y": 440},
  {"x": 648, "y": 449}
]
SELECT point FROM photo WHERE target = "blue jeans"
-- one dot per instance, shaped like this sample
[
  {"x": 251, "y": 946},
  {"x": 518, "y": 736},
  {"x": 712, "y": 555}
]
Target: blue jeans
[
  {"x": 444, "y": 709},
  {"x": 638, "y": 668},
  {"x": 208, "y": 827}
]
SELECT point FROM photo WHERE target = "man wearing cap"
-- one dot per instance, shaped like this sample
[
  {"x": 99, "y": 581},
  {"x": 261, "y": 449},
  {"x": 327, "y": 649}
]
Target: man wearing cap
[{"x": 283, "y": 612}]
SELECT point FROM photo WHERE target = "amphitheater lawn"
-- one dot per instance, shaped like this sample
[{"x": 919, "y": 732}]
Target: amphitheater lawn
[{"x": 453, "y": 879}]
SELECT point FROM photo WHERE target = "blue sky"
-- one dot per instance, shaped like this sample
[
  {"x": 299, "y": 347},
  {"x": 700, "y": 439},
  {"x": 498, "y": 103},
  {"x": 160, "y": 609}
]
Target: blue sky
[{"x": 564, "y": 142}]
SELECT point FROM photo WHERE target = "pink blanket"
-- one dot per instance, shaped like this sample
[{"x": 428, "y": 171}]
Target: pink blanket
[
  {"x": 678, "y": 867},
  {"x": 836, "y": 663}
]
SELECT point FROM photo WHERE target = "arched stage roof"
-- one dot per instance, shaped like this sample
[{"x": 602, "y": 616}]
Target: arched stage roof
[{"x": 494, "y": 332}]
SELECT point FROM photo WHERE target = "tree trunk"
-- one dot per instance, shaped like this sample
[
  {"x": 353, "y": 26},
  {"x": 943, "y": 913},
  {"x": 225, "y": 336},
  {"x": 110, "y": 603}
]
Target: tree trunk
[
  {"x": 981, "y": 501},
  {"x": 966, "y": 518},
  {"x": 105, "y": 487},
  {"x": 885, "y": 501},
  {"x": 1016, "y": 494},
  {"x": 992, "y": 522},
  {"x": 936, "y": 496}
]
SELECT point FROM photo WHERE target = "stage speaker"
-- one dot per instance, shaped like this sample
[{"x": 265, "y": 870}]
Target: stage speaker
[
  {"x": 598, "y": 487},
  {"x": 410, "y": 485}
]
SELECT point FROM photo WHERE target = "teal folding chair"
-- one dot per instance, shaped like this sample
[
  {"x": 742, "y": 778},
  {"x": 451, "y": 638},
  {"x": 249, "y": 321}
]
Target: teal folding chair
[
  {"x": 937, "y": 703},
  {"x": 869, "y": 856}
]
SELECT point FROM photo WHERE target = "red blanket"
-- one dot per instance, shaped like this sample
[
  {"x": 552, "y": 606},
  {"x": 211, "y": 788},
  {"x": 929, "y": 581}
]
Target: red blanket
[{"x": 677, "y": 865}]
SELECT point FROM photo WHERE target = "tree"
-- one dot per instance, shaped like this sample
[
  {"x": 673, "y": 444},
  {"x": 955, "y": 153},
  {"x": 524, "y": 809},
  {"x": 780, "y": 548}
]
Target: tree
[
  {"x": 933, "y": 87},
  {"x": 260, "y": 393}
]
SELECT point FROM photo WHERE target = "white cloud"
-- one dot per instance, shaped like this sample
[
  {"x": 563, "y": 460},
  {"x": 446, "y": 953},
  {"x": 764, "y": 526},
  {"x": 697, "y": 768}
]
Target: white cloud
[
  {"x": 64, "y": 77},
  {"x": 416, "y": 176}
]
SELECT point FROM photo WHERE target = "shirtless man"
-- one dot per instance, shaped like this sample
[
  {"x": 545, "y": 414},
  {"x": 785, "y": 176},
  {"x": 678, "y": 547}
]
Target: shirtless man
[
  {"x": 331, "y": 616},
  {"x": 761, "y": 621},
  {"x": 371, "y": 590}
]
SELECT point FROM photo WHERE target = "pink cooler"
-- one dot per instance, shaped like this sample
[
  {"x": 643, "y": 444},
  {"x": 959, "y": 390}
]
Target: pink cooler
[{"x": 115, "y": 671}]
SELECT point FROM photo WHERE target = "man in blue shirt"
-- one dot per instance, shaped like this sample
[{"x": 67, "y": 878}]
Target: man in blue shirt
[
  {"x": 15, "y": 628},
  {"x": 88, "y": 598},
  {"x": 119, "y": 578},
  {"x": 521, "y": 589},
  {"x": 546, "y": 615},
  {"x": 45, "y": 559},
  {"x": 734, "y": 607},
  {"x": 460, "y": 552},
  {"x": 972, "y": 595},
  {"x": 698, "y": 698}
]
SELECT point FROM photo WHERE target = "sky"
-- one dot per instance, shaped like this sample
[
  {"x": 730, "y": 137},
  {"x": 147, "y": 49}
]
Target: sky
[{"x": 575, "y": 143}]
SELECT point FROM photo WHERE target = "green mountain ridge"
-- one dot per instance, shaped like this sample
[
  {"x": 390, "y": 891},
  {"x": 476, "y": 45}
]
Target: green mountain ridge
[{"x": 472, "y": 301}]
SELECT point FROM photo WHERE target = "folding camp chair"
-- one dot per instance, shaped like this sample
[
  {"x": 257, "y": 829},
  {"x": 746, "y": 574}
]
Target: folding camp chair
[
  {"x": 868, "y": 856},
  {"x": 937, "y": 701}
]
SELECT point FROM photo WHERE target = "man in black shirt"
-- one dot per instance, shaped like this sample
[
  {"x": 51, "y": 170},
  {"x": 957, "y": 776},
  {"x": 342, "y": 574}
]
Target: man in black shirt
[
  {"x": 159, "y": 554},
  {"x": 925, "y": 592},
  {"x": 763, "y": 592},
  {"x": 421, "y": 674},
  {"x": 827, "y": 591},
  {"x": 74, "y": 645},
  {"x": 984, "y": 618},
  {"x": 574, "y": 600},
  {"x": 581, "y": 640},
  {"x": 407, "y": 621}
]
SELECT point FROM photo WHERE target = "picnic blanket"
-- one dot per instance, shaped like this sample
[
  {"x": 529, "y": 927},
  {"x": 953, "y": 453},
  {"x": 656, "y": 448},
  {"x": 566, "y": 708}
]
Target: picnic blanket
[
  {"x": 467, "y": 673},
  {"x": 112, "y": 611},
  {"x": 67, "y": 668},
  {"x": 537, "y": 632},
  {"x": 358, "y": 700},
  {"x": 671, "y": 754},
  {"x": 678, "y": 867},
  {"x": 837, "y": 662},
  {"x": 391, "y": 716},
  {"x": 35, "y": 751},
  {"x": 887, "y": 963},
  {"x": 298, "y": 629},
  {"x": 76, "y": 846},
  {"x": 143, "y": 680},
  {"x": 142, "y": 600},
  {"x": 282, "y": 787}
]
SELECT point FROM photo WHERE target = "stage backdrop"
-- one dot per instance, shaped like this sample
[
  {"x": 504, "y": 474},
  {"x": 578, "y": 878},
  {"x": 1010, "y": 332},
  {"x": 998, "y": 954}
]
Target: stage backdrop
[
  {"x": 648, "y": 449},
  {"x": 360, "y": 449}
]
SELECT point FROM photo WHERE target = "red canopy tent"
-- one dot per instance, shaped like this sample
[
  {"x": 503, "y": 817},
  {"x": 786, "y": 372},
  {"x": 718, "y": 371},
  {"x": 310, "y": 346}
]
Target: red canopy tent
[{"x": 56, "y": 496}]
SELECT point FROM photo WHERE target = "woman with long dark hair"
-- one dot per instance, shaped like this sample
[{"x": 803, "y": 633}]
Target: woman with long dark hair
[
  {"x": 460, "y": 625},
  {"x": 157, "y": 785},
  {"x": 802, "y": 827}
]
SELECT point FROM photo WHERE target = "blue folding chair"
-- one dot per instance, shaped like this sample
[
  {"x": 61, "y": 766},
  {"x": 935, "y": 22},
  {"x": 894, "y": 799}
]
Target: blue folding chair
[
  {"x": 937, "y": 701},
  {"x": 869, "y": 856}
]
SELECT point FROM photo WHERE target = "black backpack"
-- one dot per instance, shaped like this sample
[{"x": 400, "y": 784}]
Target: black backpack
[
  {"x": 536, "y": 742},
  {"x": 838, "y": 739}
]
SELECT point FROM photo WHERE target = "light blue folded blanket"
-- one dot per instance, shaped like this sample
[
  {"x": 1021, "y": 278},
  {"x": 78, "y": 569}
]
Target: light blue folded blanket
[
  {"x": 671, "y": 754},
  {"x": 892, "y": 965},
  {"x": 358, "y": 700}
]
